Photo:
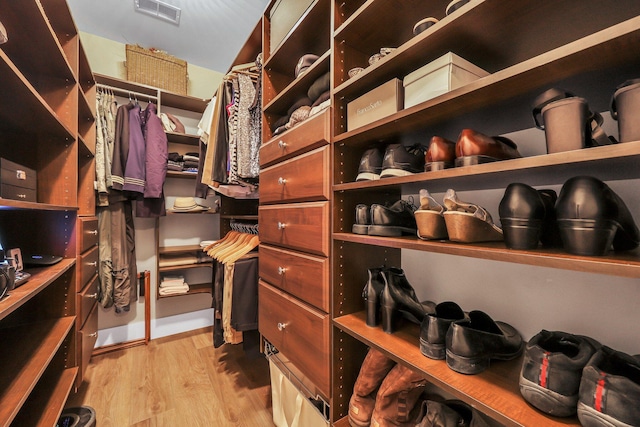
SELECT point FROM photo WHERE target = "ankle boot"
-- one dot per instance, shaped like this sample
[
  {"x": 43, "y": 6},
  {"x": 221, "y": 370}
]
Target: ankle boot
[
  {"x": 374, "y": 369},
  {"x": 396, "y": 400},
  {"x": 399, "y": 297},
  {"x": 371, "y": 294}
]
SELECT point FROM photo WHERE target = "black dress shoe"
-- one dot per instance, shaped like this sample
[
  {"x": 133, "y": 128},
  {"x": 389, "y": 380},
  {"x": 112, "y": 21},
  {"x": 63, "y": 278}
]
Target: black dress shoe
[
  {"x": 363, "y": 220},
  {"x": 592, "y": 218},
  {"x": 473, "y": 342},
  {"x": 370, "y": 165},
  {"x": 371, "y": 294},
  {"x": 399, "y": 298},
  {"x": 402, "y": 161},
  {"x": 434, "y": 327},
  {"x": 394, "y": 220},
  {"x": 527, "y": 216}
]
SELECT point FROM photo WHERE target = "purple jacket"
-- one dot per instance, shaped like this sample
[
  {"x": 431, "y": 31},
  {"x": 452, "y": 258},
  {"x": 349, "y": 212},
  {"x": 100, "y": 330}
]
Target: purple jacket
[
  {"x": 156, "y": 154},
  {"x": 134, "y": 174}
]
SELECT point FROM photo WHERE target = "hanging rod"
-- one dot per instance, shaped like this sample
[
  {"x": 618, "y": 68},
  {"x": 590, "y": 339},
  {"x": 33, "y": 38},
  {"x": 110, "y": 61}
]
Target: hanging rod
[{"x": 125, "y": 91}]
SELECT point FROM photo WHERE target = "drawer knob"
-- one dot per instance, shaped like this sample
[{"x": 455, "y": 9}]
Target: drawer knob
[
  {"x": 282, "y": 144},
  {"x": 93, "y": 264},
  {"x": 93, "y": 296},
  {"x": 281, "y": 270},
  {"x": 282, "y": 181},
  {"x": 22, "y": 196},
  {"x": 94, "y": 232},
  {"x": 93, "y": 334},
  {"x": 281, "y": 225},
  {"x": 281, "y": 326}
]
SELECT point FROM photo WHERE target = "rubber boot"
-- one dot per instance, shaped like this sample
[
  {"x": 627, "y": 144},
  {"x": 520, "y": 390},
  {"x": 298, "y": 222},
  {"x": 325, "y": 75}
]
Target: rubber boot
[{"x": 374, "y": 369}]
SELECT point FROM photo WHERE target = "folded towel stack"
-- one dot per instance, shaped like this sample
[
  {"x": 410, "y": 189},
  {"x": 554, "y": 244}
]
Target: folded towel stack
[{"x": 173, "y": 285}]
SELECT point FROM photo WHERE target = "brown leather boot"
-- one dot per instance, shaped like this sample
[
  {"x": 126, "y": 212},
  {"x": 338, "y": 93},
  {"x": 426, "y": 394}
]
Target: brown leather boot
[
  {"x": 397, "y": 397},
  {"x": 374, "y": 369}
]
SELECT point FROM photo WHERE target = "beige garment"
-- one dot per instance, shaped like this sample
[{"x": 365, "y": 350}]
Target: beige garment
[
  {"x": 207, "y": 167},
  {"x": 231, "y": 336}
]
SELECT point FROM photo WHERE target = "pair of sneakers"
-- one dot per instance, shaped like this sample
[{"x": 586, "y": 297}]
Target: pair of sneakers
[
  {"x": 564, "y": 373},
  {"x": 397, "y": 160}
]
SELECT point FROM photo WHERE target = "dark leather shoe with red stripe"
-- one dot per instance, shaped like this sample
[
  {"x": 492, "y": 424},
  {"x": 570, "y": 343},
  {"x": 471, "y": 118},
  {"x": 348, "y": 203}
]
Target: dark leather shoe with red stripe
[
  {"x": 552, "y": 369},
  {"x": 610, "y": 390}
]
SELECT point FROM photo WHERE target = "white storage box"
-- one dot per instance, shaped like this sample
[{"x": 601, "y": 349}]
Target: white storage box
[{"x": 437, "y": 77}]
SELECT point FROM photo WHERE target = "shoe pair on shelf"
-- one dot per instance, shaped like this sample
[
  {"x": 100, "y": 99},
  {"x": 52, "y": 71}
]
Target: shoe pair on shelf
[
  {"x": 389, "y": 296},
  {"x": 588, "y": 218},
  {"x": 471, "y": 148},
  {"x": 468, "y": 341},
  {"x": 564, "y": 373},
  {"x": 457, "y": 220},
  {"x": 390, "y": 394},
  {"x": 381, "y": 220},
  {"x": 397, "y": 160}
]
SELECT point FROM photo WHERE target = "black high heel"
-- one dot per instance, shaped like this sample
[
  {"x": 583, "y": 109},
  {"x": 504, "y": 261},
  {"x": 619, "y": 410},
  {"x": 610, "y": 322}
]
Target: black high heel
[
  {"x": 371, "y": 294},
  {"x": 399, "y": 298}
]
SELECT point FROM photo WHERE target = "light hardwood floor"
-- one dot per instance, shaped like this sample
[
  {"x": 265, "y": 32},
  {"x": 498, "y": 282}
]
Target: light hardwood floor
[{"x": 178, "y": 381}]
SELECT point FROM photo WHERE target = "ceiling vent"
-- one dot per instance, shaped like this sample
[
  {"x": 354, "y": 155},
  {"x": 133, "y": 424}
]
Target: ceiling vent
[{"x": 159, "y": 9}]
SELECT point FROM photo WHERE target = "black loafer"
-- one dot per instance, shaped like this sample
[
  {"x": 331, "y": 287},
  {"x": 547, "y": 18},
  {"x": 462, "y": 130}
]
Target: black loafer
[
  {"x": 592, "y": 218},
  {"x": 473, "y": 342},
  {"x": 528, "y": 216},
  {"x": 363, "y": 220},
  {"x": 434, "y": 327}
]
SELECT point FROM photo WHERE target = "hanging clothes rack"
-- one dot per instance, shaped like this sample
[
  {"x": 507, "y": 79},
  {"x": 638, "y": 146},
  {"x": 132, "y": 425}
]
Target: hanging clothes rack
[{"x": 127, "y": 93}]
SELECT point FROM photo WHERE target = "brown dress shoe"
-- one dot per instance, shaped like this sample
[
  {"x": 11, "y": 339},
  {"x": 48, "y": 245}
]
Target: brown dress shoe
[
  {"x": 474, "y": 147},
  {"x": 374, "y": 369},
  {"x": 440, "y": 155},
  {"x": 396, "y": 402}
]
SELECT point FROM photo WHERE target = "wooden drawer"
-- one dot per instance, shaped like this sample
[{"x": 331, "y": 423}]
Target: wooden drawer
[
  {"x": 87, "y": 232},
  {"x": 306, "y": 136},
  {"x": 86, "y": 299},
  {"x": 304, "y": 276},
  {"x": 87, "y": 337},
  {"x": 300, "y": 332},
  {"x": 300, "y": 226},
  {"x": 305, "y": 177},
  {"x": 87, "y": 267}
]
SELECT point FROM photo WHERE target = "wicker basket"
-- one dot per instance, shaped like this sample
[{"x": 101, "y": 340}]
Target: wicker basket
[{"x": 156, "y": 69}]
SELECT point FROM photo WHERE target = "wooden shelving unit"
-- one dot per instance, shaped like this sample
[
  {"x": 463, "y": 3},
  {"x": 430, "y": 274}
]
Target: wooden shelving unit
[
  {"x": 47, "y": 114},
  {"x": 525, "y": 52}
]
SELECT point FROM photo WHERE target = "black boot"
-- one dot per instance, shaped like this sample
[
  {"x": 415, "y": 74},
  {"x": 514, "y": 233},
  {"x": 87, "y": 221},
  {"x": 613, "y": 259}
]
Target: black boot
[
  {"x": 399, "y": 297},
  {"x": 371, "y": 294}
]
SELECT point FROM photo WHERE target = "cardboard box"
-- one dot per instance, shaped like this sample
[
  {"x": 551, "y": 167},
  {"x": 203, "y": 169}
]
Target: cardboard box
[
  {"x": 437, "y": 77},
  {"x": 17, "y": 182},
  {"x": 380, "y": 102}
]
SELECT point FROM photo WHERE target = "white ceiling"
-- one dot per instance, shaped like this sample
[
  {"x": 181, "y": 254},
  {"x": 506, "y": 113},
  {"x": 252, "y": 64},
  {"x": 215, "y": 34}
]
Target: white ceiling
[{"x": 210, "y": 34}]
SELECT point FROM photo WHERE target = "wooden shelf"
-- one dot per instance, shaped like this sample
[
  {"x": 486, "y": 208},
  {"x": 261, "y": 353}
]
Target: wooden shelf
[
  {"x": 310, "y": 35},
  {"x": 19, "y": 115},
  {"x": 521, "y": 81},
  {"x": 39, "y": 280},
  {"x": 198, "y": 288},
  {"x": 623, "y": 264},
  {"x": 182, "y": 138},
  {"x": 44, "y": 407},
  {"x": 240, "y": 217},
  {"x": 179, "y": 249},
  {"x": 38, "y": 343},
  {"x": 609, "y": 160},
  {"x": 297, "y": 88},
  {"x": 182, "y": 175},
  {"x": 184, "y": 266},
  {"x": 19, "y": 205},
  {"x": 494, "y": 392}
]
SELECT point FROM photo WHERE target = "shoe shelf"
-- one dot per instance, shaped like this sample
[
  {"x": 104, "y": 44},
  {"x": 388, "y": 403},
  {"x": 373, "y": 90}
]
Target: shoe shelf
[
  {"x": 610, "y": 160},
  {"x": 41, "y": 341},
  {"x": 494, "y": 392},
  {"x": 623, "y": 264},
  {"x": 507, "y": 93}
]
